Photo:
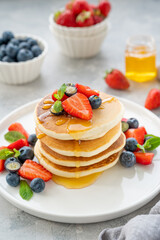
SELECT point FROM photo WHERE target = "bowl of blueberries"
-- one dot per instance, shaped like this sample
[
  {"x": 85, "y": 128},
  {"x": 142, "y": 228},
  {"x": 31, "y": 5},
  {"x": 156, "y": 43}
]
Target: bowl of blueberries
[{"x": 21, "y": 57}]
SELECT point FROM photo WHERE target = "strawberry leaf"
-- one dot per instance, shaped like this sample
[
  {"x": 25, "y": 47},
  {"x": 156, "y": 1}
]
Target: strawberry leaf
[
  {"x": 13, "y": 136},
  {"x": 25, "y": 190},
  {"x": 6, "y": 153}
]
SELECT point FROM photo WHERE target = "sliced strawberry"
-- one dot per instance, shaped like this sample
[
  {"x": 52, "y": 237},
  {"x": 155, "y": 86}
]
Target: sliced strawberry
[
  {"x": 138, "y": 134},
  {"x": 153, "y": 99},
  {"x": 55, "y": 92},
  {"x": 31, "y": 170},
  {"x": 144, "y": 158},
  {"x": 19, "y": 128},
  {"x": 78, "y": 106},
  {"x": 18, "y": 144},
  {"x": 2, "y": 165},
  {"x": 87, "y": 91}
]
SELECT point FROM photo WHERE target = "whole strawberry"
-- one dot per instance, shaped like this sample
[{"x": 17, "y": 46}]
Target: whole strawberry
[
  {"x": 115, "y": 79},
  {"x": 69, "y": 5},
  {"x": 79, "y": 6},
  {"x": 104, "y": 7},
  {"x": 153, "y": 99},
  {"x": 85, "y": 19},
  {"x": 66, "y": 18},
  {"x": 97, "y": 19}
]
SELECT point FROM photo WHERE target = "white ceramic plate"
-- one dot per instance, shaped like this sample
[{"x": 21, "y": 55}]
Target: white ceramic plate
[{"x": 117, "y": 192}]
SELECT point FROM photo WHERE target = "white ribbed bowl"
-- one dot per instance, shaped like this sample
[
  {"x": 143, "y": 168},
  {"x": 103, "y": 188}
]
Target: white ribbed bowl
[
  {"x": 78, "y": 31},
  {"x": 23, "y": 72},
  {"x": 80, "y": 47}
]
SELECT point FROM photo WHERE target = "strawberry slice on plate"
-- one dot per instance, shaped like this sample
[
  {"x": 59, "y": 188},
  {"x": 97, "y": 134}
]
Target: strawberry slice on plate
[
  {"x": 144, "y": 158},
  {"x": 78, "y": 106},
  {"x": 31, "y": 170},
  {"x": 87, "y": 91},
  {"x": 138, "y": 134},
  {"x": 18, "y": 144},
  {"x": 19, "y": 128}
]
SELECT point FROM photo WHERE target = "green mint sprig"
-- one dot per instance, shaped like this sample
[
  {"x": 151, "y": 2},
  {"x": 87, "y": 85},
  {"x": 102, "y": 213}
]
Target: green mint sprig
[
  {"x": 25, "y": 191},
  {"x": 6, "y": 153},
  {"x": 60, "y": 93},
  {"x": 150, "y": 144},
  {"x": 13, "y": 136}
]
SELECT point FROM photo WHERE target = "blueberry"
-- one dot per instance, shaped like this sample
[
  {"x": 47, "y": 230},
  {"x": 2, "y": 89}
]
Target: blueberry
[
  {"x": 37, "y": 185},
  {"x": 133, "y": 123},
  {"x": 12, "y": 164},
  {"x": 127, "y": 159},
  {"x": 11, "y": 50},
  {"x": 2, "y": 50},
  {"x": 32, "y": 42},
  {"x": 24, "y": 45},
  {"x": 1, "y": 41},
  {"x": 95, "y": 101},
  {"x": 131, "y": 144},
  {"x": 125, "y": 126},
  {"x": 7, "y": 59},
  {"x": 25, "y": 153},
  {"x": 70, "y": 89},
  {"x": 14, "y": 41},
  {"x": 7, "y": 36},
  {"x": 36, "y": 50},
  {"x": 32, "y": 139},
  {"x": 13, "y": 179},
  {"x": 24, "y": 55}
]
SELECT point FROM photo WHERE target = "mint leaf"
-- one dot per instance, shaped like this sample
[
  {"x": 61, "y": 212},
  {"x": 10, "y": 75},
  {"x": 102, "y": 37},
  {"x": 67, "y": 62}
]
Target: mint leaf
[
  {"x": 152, "y": 143},
  {"x": 17, "y": 153},
  {"x": 56, "y": 96},
  {"x": 25, "y": 190},
  {"x": 61, "y": 91},
  {"x": 6, "y": 153},
  {"x": 141, "y": 147},
  {"x": 13, "y": 136},
  {"x": 57, "y": 106}
]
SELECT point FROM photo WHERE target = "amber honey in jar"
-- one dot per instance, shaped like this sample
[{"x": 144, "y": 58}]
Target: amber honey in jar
[{"x": 140, "y": 58}]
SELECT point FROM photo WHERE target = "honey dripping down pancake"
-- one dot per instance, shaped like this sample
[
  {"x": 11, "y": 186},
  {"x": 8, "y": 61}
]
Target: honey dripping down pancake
[{"x": 66, "y": 127}]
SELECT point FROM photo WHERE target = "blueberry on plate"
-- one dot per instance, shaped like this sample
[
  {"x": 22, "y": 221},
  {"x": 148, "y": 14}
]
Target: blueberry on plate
[
  {"x": 1, "y": 41},
  {"x": 11, "y": 50},
  {"x": 37, "y": 185},
  {"x": 32, "y": 139},
  {"x": 24, "y": 55},
  {"x": 7, "y": 36},
  {"x": 12, "y": 164},
  {"x": 32, "y": 42},
  {"x": 95, "y": 101},
  {"x": 125, "y": 126},
  {"x": 127, "y": 159},
  {"x": 133, "y": 123},
  {"x": 25, "y": 153},
  {"x": 70, "y": 89},
  {"x": 7, "y": 59},
  {"x": 36, "y": 50},
  {"x": 2, "y": 50},
  {"x": 13, "y": 179},
  {"x": 14, "y": 41},
  {"x": 131, "y": 144},
  {"x": 24, "y": 45}
]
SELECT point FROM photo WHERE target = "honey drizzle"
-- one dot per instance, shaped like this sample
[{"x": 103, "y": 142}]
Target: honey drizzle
[
  {"x": 41, "y": 135},
  {"x": 48, "y": 101},
  {"x": 108, "y": 100},
  {"x": 60, "y": 122},
  {"x": 43, "y": 116},
  {"x": 46, "y": 106}
]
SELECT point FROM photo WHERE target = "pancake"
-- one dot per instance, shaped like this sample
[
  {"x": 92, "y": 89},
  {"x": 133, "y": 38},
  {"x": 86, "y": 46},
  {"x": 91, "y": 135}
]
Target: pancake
[
  {"x": 73, "y": 172},
  {"x": 70, "y": 161},
  {"x": 83, "y": 148},
  {"x": 65, "y": 127}
]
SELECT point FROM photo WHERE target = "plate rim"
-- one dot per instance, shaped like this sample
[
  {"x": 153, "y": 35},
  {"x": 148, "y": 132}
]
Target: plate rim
[{"x": 91, "y": 218}]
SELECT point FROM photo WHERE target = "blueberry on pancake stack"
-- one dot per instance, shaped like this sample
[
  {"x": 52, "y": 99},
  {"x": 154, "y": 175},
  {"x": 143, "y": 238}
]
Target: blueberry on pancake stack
[{"x": 79, "y": 132}]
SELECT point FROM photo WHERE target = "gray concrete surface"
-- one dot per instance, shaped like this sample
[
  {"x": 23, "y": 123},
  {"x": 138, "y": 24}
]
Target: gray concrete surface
[{"x": 127, "y": 18}]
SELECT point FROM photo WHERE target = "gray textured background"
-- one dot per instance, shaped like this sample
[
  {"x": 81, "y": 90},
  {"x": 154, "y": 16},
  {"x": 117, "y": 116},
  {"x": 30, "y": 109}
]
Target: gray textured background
[{"x": 127, "y": 18}]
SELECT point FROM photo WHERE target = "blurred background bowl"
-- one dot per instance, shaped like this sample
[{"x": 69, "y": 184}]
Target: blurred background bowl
[{"x": 23, "y": 72}]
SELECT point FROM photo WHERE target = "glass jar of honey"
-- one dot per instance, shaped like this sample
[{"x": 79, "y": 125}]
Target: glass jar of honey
[{"x": 140, "y": 58}]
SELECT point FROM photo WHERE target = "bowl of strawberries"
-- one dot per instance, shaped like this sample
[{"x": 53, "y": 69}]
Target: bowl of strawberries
[{"x": 80, "y": 28}]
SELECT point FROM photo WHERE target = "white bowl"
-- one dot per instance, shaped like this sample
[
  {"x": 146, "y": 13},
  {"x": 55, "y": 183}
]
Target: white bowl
[
  {"x": 23, "y": 72},
  {"x": 78, "y": 31},
  {"x": 80, "y": 47}
]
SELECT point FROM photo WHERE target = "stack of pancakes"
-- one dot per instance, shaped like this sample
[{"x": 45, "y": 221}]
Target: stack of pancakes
[{"x": 72, "y": 148}]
